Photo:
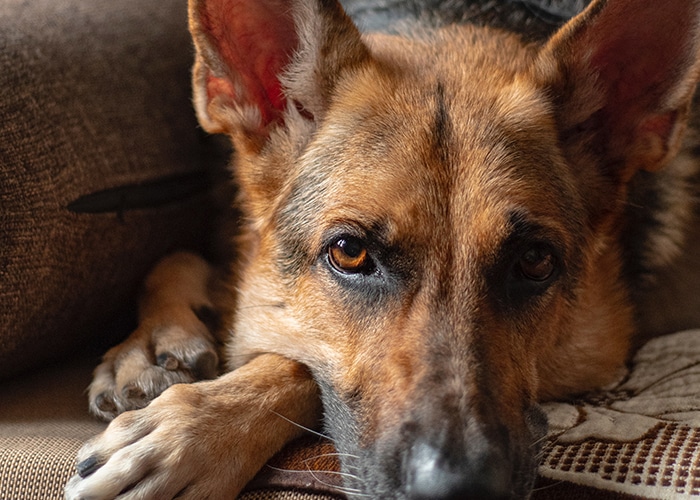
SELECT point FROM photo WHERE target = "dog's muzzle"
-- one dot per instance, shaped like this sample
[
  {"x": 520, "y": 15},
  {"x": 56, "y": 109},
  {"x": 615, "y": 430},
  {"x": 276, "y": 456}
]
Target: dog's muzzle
[{"x": 444, "y": 462}]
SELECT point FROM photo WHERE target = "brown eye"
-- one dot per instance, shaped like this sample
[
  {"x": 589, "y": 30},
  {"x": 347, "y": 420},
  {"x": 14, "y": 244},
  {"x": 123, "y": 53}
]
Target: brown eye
[
  {"x": 349, "y": 255},
  {"x": 537, "y": 263}
]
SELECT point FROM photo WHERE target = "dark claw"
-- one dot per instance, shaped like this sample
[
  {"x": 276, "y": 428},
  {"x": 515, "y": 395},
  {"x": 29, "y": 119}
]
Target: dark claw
[
  {"x": 88, "y": 466},
  {"x": 168, "y": 361},
  {"x": 104, "y": 402}
]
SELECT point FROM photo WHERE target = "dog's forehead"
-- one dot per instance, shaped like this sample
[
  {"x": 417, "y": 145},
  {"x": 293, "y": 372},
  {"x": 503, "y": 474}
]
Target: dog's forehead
[{"x": 408, "y": 142}]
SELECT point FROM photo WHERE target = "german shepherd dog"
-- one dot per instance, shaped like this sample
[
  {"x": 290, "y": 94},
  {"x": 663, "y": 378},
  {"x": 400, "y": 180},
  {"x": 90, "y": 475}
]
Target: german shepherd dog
[{"x": 441, "y": 228}]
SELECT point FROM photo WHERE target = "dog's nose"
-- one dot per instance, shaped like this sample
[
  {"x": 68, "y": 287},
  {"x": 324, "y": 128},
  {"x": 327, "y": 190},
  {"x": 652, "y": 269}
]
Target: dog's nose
[{"x": 431, "y": 475}]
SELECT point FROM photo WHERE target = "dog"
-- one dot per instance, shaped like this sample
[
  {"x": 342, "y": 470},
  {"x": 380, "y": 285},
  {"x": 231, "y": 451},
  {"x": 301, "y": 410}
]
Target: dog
[{"x": 440, "y": 229}]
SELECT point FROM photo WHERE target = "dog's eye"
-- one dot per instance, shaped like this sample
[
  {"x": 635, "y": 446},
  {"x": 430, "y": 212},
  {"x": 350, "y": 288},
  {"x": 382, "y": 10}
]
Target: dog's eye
[
  {"x": 349, "y": 255},
  {"x": 537, "y": 263}
]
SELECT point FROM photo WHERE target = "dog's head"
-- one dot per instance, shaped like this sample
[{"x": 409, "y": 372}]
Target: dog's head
[{"x": 432, "y": 223}]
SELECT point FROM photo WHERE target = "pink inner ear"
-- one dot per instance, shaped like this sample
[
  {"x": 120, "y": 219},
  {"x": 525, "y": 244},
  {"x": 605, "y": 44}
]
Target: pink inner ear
[
  {"x": 640, "y": 49},
  {"x": 255, "y": 40},
  {"x": 660, "y": 125}
]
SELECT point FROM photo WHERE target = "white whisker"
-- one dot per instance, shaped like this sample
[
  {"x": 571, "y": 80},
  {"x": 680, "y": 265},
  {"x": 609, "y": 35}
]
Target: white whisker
[
  {"x": 341, "y": 489},
  {"x": 542, "y": 488},
  {"x": 275, "y": 305},
  {"x": 539, "y": 441},
  {"x": 307, "y": 429}
]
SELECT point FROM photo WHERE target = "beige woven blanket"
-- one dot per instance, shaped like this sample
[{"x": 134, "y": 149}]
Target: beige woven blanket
[{"x": 641, "y": 436}]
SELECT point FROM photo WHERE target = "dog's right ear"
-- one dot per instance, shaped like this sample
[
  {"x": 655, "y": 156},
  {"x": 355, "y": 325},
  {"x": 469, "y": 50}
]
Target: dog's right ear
[
  {"x": 260, "y": 61},
  {"x": 622, "y": 75}
]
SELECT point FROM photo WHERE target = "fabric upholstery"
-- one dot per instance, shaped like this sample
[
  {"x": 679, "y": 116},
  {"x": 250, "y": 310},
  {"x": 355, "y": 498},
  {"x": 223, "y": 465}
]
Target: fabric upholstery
[
  {"x": 640, "y": 436},
  {"x": 43, "y": 423},
  {"x": 98, "y": 141}
]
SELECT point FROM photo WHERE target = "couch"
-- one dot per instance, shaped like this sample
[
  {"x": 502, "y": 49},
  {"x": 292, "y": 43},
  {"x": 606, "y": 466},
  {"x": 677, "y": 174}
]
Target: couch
[{"x": 103, "y": 170}]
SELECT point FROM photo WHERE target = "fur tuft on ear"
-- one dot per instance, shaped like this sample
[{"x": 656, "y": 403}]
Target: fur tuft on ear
[
  {"x": 622, "y": 75},
  {"x": 257, "y": 59}
]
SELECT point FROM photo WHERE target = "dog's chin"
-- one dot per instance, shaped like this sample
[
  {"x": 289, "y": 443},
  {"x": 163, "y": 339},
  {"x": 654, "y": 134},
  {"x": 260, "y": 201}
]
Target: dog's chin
[{"x": 413, "y": 462}]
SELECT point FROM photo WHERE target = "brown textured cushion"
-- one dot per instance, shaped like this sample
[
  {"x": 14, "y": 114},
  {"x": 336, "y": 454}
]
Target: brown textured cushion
[{"x": 98, "y": 144}]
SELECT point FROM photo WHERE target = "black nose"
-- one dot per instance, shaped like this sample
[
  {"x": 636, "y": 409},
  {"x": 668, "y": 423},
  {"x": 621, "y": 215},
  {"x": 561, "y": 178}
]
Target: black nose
[{"x": 433, "y": 474}]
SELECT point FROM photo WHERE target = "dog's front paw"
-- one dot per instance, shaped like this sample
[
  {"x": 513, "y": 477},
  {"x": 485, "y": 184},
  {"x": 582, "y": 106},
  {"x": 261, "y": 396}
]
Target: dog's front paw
[
  {"x": 204, "y": 440},
  {"x": 173, "y": 343},
  {"x": 176, "y": 447},
  {"x": 151, "y": 360}
]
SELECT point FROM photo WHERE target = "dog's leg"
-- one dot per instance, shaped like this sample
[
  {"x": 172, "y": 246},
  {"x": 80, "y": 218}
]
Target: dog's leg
[
  {"x": 172, "y": 343},
  {"x": 203, "y": 440}
]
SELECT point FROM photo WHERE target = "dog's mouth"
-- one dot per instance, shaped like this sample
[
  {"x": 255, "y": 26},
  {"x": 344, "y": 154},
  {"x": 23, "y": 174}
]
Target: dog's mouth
[{"x": 438, "y": 459}]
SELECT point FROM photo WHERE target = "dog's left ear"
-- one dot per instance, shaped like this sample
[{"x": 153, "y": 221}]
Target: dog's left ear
[{"x": 622, "y": 75}]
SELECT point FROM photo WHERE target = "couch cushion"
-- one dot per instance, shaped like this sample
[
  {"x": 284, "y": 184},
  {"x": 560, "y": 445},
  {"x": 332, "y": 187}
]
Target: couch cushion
[
  {"x": 99, "y": 160},
  {"x": 641, "y": 436},
  {"x": 43, "y": 423}
]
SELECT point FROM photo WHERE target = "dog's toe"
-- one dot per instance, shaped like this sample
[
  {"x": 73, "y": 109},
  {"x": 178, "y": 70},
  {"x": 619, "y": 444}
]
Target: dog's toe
[
  {"x": 177, "y": 349},
  {"x": 104, "y": 403},
  {"x": 135, "y": 395},
  {"x": 202, "y": 365},
  {"x": 135, "y": 372}
]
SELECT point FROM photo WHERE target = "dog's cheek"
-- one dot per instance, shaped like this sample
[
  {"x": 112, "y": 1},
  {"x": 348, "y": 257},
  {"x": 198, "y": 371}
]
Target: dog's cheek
[{"x": 584, "y": 346}]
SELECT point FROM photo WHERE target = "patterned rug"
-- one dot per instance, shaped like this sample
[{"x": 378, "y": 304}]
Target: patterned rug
[{"x": 640, "y": 437}]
